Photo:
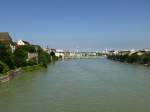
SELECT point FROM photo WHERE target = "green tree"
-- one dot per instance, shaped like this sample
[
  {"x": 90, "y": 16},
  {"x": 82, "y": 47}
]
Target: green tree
[
  {"x": 43, "y": 57},
  {"x": 21, "y": 55},
  {"x": 146, "y": 59},
  {"x": 6, "y": 55},
  {"x": 3, "y": 67}
]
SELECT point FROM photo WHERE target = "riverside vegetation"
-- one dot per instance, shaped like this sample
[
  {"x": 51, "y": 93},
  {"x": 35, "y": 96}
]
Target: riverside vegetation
[
  {"x": 136, "y": 57},
  {"x": 18, "y": 59}
]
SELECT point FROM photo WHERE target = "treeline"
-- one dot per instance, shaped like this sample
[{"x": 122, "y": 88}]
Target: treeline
[
  {"x": 133, "y": 58},
  {"x": 19, "y": 58}
]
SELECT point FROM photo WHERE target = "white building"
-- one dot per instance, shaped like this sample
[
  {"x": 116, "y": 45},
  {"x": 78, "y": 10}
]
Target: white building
[
  {"x": 60, "y": 53},
  {"x": 13, "y": 47},
  {"x": 21, "y": 42},
  {"x": 147, "y": 50}
]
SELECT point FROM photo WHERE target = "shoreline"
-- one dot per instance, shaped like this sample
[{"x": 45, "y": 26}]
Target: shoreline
[
  {"x": 142, "y": 64},
  {"x": 18, "y": 71},
  {"x": 84, "y": 57}
]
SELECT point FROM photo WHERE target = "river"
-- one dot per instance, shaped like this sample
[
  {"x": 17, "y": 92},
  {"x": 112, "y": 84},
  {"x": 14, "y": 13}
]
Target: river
[{"x": 84, "y": 85}]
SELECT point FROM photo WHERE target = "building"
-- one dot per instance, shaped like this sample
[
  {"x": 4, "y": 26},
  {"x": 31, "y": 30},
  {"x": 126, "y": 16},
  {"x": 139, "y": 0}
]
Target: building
[
  {"x": 6, "y": 40},
  {"x": 147, "y": 49},
  {"x": 32, "y": 56},
  {"x": 22, "y": 42},
  {"x": 13, "y": 46},
  {"x": 60, "y": 53}
]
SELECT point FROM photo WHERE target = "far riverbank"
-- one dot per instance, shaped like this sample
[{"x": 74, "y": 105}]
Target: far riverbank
[{"x": 136, "y": 57}]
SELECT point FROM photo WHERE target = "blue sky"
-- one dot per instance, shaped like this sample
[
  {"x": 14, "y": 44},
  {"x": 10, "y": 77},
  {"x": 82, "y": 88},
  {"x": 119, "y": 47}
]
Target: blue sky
[{"x": 78, "y": 24}]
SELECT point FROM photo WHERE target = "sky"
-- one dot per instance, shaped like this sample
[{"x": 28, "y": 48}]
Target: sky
[{"x": 78, "y": 24}]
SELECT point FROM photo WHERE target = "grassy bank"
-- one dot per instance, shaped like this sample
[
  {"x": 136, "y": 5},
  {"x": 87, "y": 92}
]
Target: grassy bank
[
  {"x": 25, "y": 69},
  {"x": 31, "y": 68},
  {"x": 5, "y": 77}
]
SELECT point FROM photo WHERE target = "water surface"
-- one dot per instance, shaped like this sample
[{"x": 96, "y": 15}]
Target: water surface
[{"x": 86, "y": 85}]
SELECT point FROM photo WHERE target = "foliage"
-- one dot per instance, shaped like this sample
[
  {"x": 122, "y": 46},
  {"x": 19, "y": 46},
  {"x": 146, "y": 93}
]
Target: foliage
[
  {"x": 134, "y": 58},
  {"x": 27, "y": 48},
  {"x": 43, "y": 57},
  {"x": 31, "y": 68},
  {"x": 3, "y": 67},
  {"x": 20, "y": 56},
  {"x": 6, "y": 55},
  {"x": 54, "y": 57},
  {"x": 146, "y": 59}
]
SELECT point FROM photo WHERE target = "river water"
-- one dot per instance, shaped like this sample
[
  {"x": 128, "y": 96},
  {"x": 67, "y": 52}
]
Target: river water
[{"x": 85, "y": 85}]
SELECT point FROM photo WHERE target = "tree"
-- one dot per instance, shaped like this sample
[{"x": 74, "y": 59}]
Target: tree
[
  {"x": 54, "y": 58},
  {"x": 146, "y": 59},
  {"x": 3, "y": 67},
  {"x": 6, "y": 55},
  {"x": 43, "y": 57},
  {"x": 21, "y": 55}
]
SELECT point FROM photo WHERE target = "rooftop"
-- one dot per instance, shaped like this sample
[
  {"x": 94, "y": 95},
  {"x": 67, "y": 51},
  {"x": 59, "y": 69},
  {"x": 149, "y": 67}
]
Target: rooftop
[{"x": 5, "y": 38}]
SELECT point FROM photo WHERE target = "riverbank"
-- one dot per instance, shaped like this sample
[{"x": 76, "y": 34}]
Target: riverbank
[
  {"x": 133, "y": 58},
  {"x": 12, "y": 73},
  {"x": 84, "y": 57}
]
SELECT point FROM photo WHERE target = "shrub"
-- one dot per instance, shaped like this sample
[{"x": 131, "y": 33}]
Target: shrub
[
  {"x": 3, "y": 67},
  {"x": 21, "y": 55},
  {"x": 43, "y": 57},
  {"x": 6, "y": 55}
]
